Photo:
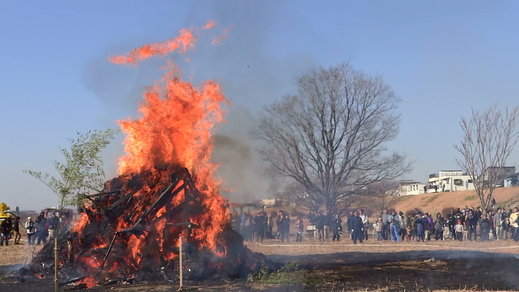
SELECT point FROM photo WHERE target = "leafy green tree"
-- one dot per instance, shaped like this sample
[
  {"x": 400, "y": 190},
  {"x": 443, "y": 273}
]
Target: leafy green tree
[{"x": 81, "y": 173}]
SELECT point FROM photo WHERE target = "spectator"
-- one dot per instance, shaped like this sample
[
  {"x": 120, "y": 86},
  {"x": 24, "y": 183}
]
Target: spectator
[
  {"x": 438, "y": 227},
  {"x": 299, "y": 230},
  {"x": 385, "y": 222},
  {"x": 269, "y": 226},
  {"x": 403, "y": 225},
  {"x": 458, "y": 229},
  {"x": 53, "y": 225},
  {"x": 498, "y": 223},
  {"x": 5, "y": 229},
  {"x": 286, "y": 226},
  {"x": 336, "y": 227},
  {"x": 365, "y": 222},
  {"x": 472, "y": 221},
  {"x": 394, "y": 221},
  {"x": 420, "y": 229},
  {"x": 378, "y": 228},
  {"x": 30, "y": 226},
  {"x": 41, "y": 229},
  {"x": 319, "y": 226},
  {"x": 357, "y": 228},
  {"x": 327, "y": 221},
  {"x": 16, "y": 229},
  {"x": 484, "y": 226}
]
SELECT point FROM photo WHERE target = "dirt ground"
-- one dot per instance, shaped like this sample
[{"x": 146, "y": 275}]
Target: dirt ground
[{"x": 343, "y": 266}]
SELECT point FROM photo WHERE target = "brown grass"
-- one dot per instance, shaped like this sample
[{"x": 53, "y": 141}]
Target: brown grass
[{"x": 440, "y": 202}]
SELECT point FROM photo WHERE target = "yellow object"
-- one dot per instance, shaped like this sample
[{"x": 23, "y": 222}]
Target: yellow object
[{"x": 4, "y": 214}]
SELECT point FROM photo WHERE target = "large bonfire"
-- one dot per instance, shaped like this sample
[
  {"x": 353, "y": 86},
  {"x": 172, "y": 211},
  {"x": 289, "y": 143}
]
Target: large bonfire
[{"x": 166, "y": 189}]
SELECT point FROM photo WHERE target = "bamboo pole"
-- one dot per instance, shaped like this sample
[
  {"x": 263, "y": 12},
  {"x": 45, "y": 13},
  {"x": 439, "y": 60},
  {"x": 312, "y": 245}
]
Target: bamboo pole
[
  {"x": 56, "y": 261},
  {"x": 180, "y": 263}
]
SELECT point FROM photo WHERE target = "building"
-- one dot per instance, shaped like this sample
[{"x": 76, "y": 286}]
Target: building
[
  {"x": 501, "y": 172},
  {"x": 511, "y": 180},
  {"x": 411, "y": 188},
  {"x": 449, "y": 181}
]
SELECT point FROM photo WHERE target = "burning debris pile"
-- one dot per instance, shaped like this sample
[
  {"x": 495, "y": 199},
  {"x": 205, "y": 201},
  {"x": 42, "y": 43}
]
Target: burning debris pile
[{"x": 131, "y": 230}]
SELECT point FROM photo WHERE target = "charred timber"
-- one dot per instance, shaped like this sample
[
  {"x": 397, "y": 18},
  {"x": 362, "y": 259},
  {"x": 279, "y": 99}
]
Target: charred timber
[{"x": 101, "y": 243}]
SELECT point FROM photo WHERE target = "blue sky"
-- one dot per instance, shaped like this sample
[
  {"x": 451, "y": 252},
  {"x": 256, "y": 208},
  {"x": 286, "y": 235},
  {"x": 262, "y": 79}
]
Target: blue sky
[{"x": 440, "y": 57}]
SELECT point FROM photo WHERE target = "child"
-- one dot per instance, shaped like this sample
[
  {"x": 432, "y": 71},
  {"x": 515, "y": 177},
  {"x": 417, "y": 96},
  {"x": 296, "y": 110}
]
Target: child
[
  {"x": 299, "y": 230},
  {"x": 446, "y": 231},
  {"x": 409, "y": 230},
  {"x": 378, "y": 228},
  {"x": 458, "y": 228}
]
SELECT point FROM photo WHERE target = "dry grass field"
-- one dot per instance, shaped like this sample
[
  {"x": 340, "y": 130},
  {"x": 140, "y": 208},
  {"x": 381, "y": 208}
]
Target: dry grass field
[{"x": 440, "y": 202}]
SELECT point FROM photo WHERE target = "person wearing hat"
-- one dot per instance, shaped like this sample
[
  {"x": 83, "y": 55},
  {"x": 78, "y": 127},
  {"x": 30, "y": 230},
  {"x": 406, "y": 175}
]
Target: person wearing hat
[{"x": 31, "y": 230}]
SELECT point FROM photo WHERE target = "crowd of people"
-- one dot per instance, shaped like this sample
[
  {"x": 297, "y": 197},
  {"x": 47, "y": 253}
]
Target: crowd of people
[
  {"x": 473, "y": 224},
  {"x": 261, "y": 226},
  {"x": 39, "y": 230},
  {"x": 325, "y": 226}
]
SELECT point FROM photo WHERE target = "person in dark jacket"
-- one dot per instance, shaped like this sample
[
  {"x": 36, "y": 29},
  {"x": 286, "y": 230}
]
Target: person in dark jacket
[
  {"x": 311, "y": 217},
  {"x": 349, "y": 223},
  {"x": 259, "y": 226},
  {"x": 41, "y": 228},
  {"x": 286, "y": 227},
  {"x": 281, "y": 226},
  {"x": 319, "y": 226},
  {"x": 420, "y": 228},
  {"x": 484, "y": 226},
  {"x": 357, "y": 228},
  {"x": 438, "y": 227},
  {"x": 336, "y": 227},
  {"x": 451, "y": 218},
  {"x": 16, "y": 229},
  {"x": 5, "y": 228},
  {"x": 472, "y": 221}
]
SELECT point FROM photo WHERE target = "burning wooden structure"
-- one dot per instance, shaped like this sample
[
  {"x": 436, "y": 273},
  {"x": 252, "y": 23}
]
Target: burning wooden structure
[{"x": 132, "y": 229}]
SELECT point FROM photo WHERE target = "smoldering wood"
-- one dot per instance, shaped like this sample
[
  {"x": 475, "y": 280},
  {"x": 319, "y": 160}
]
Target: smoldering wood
[
  {"x": 199, "y": 263},
  {"x": 73, "y": 280}
]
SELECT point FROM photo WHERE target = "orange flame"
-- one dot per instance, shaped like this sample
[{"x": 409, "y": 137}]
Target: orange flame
[
  {"x": 175, "y": 127},
  {"x": 209, "y": 24},
  {"x": 89, "y": 282},
  {"x": 218, "y": 41},
  {"x": 184, "y": 42}
]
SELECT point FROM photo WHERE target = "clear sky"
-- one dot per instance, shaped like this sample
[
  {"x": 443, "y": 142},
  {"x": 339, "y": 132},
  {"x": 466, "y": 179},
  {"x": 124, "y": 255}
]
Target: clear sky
[{"x": 440, "y": 57}]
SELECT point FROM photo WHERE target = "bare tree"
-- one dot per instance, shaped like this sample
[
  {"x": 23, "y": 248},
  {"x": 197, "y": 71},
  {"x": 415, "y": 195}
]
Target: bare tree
[
  {"x": 294, "y": 192},
  {"x": 380, "y": 195},
  {"x": 488, "y": 139},
  {"x": 329, "y": 137}
]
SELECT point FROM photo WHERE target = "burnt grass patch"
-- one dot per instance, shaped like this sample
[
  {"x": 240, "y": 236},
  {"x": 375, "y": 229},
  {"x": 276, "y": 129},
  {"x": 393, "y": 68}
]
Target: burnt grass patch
[
  {"x": 410, "y": 270},
  {"x": 419, "y": 270}
]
